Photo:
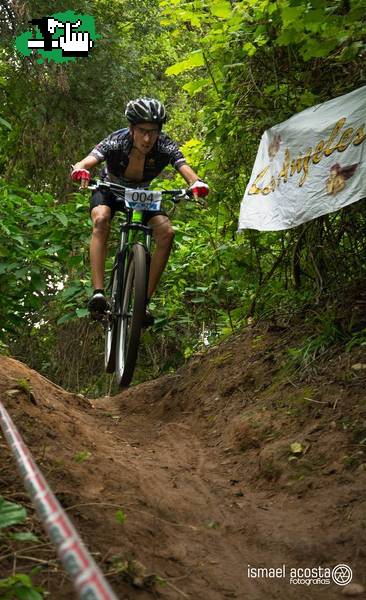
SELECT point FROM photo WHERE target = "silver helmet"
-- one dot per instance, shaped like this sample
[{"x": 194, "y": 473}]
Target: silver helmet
[{"x": 145, "y": 110}]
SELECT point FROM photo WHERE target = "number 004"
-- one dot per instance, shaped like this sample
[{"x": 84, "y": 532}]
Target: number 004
[{"x": 142, "y": 197}]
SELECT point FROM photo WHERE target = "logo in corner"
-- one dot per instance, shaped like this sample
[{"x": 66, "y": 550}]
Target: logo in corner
[
  {"x": 60, "y": 37},
  {"x": 342, "y": 574}
]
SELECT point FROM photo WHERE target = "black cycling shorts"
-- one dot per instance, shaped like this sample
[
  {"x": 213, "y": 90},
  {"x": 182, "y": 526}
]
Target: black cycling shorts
[{"x": 107, "y": 198}]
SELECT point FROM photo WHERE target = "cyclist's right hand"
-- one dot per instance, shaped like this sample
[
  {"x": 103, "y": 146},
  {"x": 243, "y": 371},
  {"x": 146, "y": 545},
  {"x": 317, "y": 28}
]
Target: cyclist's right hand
[{"x": 81, "y": 175}]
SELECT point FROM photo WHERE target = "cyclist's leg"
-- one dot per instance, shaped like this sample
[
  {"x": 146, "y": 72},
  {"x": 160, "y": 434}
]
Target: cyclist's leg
[
  {"x": 163, "y": 235},
  {"x": 102, "y": 209},
  {"x": 101, "y": 217}
]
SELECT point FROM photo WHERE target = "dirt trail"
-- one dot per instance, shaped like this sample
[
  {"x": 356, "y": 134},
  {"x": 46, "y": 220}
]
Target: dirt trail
[{"x": 199, "y": 463}]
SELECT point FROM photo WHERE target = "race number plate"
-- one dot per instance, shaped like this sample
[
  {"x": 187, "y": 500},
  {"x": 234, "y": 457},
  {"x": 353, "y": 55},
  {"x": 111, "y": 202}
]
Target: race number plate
[{"x": 143, "y": 199}]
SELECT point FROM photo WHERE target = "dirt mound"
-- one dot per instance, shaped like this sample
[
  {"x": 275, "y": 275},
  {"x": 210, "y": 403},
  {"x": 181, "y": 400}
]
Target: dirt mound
[{"x": 233, "y": 463}]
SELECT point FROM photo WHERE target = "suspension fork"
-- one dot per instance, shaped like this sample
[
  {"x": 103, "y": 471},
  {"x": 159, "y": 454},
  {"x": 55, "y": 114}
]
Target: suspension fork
[
  {"x": 148, "y": 259},
  {"x": 120, "y": 262}
]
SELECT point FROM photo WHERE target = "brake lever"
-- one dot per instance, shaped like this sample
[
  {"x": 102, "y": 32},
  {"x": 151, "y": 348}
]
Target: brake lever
[
  {"x": 202, "y": 203},
  {"x": 92, "y": 186},
  {"x": 181, "y": 196}
]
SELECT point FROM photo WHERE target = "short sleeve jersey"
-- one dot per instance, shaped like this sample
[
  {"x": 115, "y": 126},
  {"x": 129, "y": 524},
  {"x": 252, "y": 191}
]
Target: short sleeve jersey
[{"x": 115, "y": 150}]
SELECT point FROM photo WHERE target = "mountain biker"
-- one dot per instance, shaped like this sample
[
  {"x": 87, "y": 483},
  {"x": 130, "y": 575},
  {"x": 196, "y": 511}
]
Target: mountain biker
[{"x": 134, "y": 156}]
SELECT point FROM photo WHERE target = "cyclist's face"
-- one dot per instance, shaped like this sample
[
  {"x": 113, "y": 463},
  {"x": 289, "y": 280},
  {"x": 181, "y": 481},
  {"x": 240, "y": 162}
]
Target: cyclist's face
[{"x": 145, "y": 136}]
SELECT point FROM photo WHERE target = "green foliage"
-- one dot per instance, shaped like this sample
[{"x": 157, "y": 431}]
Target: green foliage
[
  {"x": 357, "y": 339},
  {"x": 193, "y": 60},
  {"x": 41, "y": 246},
  {"x": 82, "y": 456},
  {"x": 24, "y": 385},
  {"x": 18, "y": 586},
  {"x": 11, "y": 514},
  {"x": 23, "y": 536},
  {"x": 120, "y": 516},
  {"x": 5, "y": 123},
  {"x": 328, "y": 334},
  {"x": 4, "y": 349}
]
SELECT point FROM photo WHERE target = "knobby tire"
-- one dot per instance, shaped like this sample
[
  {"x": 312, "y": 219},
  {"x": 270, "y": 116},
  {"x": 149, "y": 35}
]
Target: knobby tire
[
  {"x": 111, "y": 327},
  {"x": 133, "y": 308}
]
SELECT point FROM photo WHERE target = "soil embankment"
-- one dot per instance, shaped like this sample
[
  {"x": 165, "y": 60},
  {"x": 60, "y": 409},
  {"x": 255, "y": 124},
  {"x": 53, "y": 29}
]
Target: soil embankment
[{"x": 204, "y": 467}]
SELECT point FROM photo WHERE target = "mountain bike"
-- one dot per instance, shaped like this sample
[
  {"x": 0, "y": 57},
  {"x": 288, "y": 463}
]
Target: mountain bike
[{"x": 127, "y": 289}]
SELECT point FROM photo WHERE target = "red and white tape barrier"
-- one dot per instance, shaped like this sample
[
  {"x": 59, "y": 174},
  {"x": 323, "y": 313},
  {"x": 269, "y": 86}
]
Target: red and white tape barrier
[{"x": 87, "y": 578}]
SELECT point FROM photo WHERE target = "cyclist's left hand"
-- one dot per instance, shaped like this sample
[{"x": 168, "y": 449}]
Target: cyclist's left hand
[{"x": 199, "y": 189}]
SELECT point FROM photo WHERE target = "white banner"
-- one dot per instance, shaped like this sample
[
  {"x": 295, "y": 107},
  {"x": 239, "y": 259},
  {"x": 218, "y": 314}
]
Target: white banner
[{"x": 310, "y": 165}]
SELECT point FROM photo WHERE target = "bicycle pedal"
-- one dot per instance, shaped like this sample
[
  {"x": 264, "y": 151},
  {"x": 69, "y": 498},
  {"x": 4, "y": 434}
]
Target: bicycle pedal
[
  {"x": 149, "y": 320},
  {"x": 97, "y": 316}
]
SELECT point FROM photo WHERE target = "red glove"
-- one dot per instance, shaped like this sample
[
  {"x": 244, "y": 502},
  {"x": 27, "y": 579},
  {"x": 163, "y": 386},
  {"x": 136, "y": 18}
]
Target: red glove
[
  {"x": 199, "y": 188},
  {"x": 80, "y": 175}
]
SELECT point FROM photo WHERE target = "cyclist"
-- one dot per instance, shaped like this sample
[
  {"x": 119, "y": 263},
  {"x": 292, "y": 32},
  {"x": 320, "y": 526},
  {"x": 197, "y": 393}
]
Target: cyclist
[{"x": 134, "y": 156}]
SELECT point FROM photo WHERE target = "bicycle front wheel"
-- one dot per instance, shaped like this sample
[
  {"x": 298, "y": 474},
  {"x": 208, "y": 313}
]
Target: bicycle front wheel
[
  {"x": 132, "y": 314},
  {"x": 111, "y": 327}
]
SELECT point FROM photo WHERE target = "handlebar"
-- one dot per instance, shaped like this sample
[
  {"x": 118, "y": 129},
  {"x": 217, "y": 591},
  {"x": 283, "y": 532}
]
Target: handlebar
[{"x": 176, "y": 195}]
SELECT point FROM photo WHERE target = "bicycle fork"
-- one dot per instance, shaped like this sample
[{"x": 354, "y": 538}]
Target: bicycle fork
[{"x": 121, "y": 262}]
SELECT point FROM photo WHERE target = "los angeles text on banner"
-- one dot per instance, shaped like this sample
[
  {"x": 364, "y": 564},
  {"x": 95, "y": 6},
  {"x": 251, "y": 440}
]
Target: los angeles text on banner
[{"x": 308, "y": 166}]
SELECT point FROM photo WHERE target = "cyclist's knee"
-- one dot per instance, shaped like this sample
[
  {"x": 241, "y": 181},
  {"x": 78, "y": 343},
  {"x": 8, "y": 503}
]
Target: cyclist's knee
[
  {"x": 101, "y": 223},
  {"x": 164, "y": 235}
]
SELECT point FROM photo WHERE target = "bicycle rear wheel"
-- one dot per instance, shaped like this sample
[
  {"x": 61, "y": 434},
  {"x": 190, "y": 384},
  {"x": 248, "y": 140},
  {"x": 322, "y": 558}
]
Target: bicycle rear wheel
[{"x": 132, "y": 315}]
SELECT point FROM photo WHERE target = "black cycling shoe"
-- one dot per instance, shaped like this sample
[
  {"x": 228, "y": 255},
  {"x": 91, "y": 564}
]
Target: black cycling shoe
[
  {"x": 149, "y": 319},
  {"x": 97, "y": 304}
]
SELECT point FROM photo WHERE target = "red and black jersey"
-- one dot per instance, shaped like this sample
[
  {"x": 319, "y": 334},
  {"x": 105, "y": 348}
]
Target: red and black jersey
[{"x": 115, "y": 150}]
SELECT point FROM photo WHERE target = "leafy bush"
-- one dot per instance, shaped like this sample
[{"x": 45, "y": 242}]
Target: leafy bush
[{"x": 19, "y": 585}]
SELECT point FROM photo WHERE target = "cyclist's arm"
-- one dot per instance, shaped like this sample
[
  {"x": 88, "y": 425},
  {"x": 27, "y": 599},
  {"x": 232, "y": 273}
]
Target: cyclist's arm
[
  {"x": 87, "y": 163},
  {"x": 188, "y": 174},
  {"x": 196, "y": 185}
]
